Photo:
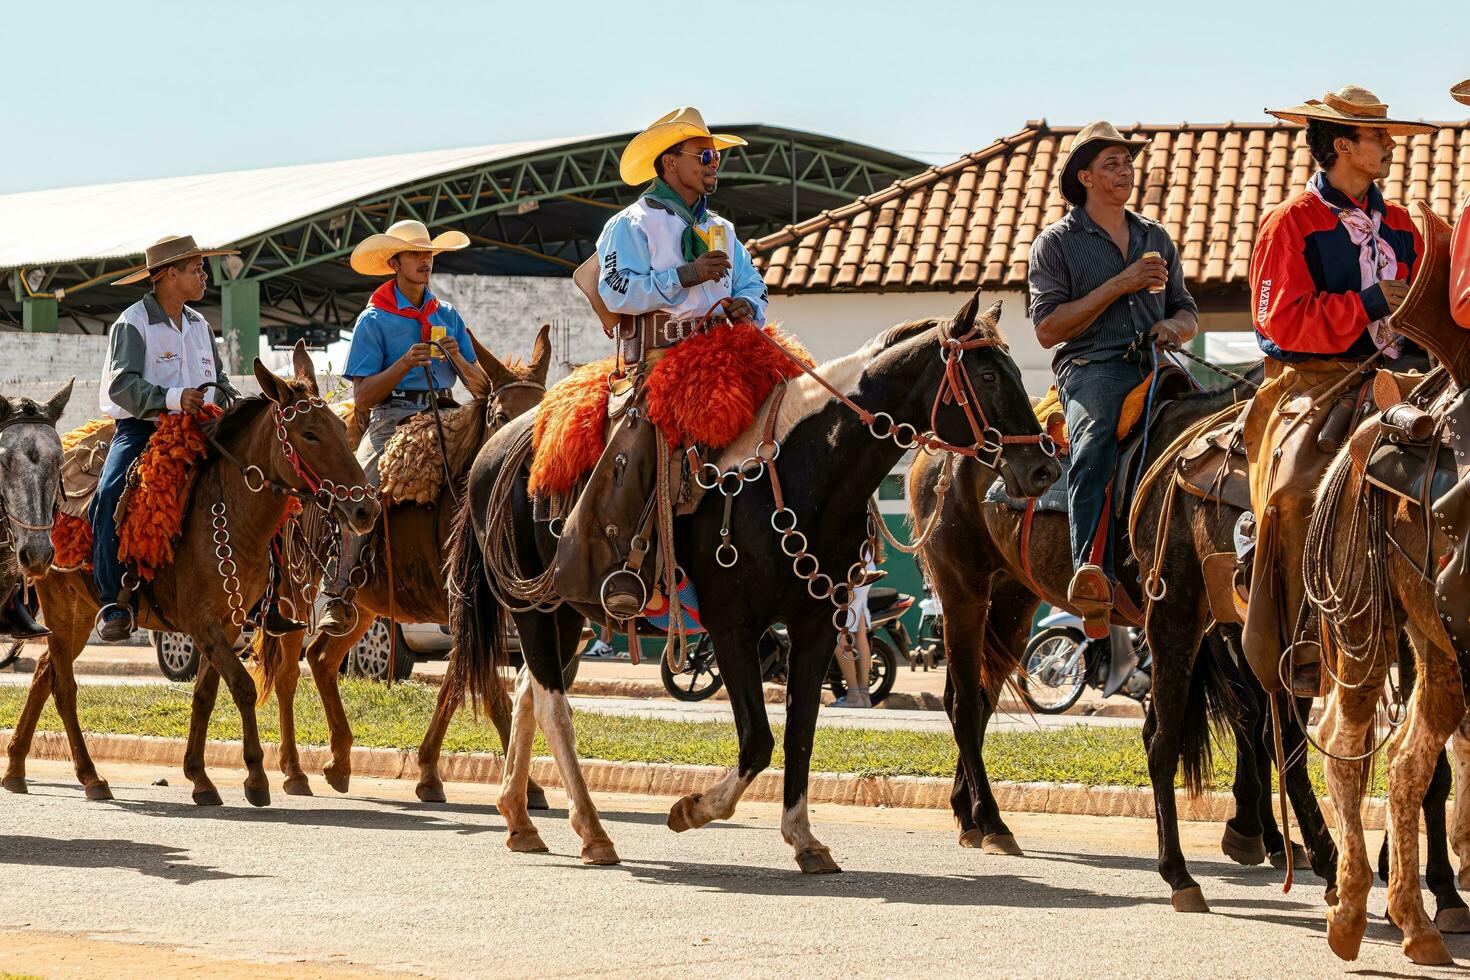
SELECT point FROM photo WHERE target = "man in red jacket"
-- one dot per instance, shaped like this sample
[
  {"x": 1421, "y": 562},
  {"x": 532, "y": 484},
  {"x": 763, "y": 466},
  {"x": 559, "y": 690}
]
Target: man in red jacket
[{"x": 1330, "y": 264}]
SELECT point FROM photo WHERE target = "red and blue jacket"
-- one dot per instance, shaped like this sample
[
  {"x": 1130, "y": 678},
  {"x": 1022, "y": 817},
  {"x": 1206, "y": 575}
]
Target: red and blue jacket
[{"x": 1306, "y": 286}]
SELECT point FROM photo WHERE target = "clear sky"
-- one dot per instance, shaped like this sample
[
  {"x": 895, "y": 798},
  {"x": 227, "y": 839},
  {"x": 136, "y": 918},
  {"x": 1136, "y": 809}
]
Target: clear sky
[{"x": 103, "y": 91}]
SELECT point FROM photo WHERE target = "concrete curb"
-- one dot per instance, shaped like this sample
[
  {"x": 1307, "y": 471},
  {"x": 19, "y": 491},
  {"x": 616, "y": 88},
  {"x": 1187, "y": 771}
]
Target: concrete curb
[{"x": 665, "y": 779}]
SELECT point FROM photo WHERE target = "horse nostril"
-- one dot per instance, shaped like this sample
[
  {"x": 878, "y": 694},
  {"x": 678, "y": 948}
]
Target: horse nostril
[{"x": 35, "y": 559}]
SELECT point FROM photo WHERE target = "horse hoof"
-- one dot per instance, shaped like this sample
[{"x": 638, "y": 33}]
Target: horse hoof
[
  {"x": 297, "y": 786},
  {"x": 258, "y": 797},
  {"x": 682, "y": 815},
  {"x": 817, "y": 861},
  {"x": 430, "y": 792},
  {"x": 15, "y": 784},
  {"x": 1302, "y": 861},
  {"x": 536, "y": 798},
  {"x": 972, "y": 837},
  {"x": 99, "y": 791},
  {"x": 1189, "y": 900},
  {"x": 1330, "y": 896},
  {"x": 526, "y": 842},
  {"x": 1428, "y": 950},
  {"x": 1344, "y": 940},
  {"x": 600, "y": 852},
  {"x": 336, "y": 779},
  {"x": 1453, "y": 920},
  {"x": 1001, "y": 844},
  {"x": 208, "y": 797},
  {"x": 1241, "y": 849}
]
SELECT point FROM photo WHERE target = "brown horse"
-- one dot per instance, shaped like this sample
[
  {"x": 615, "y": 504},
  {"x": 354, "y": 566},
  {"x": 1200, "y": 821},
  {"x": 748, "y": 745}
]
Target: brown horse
[
  {"x": 1369, "y": 566},
  {"x": 419, "y": 536},
  {"x": 240, "y": 494}
]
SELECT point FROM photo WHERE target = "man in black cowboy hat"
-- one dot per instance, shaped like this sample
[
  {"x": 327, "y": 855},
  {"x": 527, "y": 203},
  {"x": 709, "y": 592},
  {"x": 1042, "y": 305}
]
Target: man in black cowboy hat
[{"x": 1105, "y": 282}]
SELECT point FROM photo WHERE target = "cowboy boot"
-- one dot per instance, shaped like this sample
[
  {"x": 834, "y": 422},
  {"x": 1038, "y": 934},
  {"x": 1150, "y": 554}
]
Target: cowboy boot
[
  {"x": 339, "y": 614},
  {"x": 1091, "y": 594},
  {"x": 16, "y": 619}
]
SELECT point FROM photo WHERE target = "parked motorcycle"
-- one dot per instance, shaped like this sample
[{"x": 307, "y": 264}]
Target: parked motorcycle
[
  {"x": 1060, "y": 662},
  {"x": 928, "y": 649},
  {"x": 887, "y": 639}
]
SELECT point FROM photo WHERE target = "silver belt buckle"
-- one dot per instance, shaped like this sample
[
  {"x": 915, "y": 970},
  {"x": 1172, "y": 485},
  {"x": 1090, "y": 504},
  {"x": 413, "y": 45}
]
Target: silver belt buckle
[{"x": 673, "y": 330}]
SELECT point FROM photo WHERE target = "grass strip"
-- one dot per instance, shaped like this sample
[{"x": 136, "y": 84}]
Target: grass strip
[{"x": 396, "y": 718}]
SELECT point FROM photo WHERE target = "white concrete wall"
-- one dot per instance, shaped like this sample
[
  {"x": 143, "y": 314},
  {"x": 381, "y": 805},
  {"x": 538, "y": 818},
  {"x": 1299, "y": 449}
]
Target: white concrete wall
[
  {"x": 34, "y": 365},
  {"x": 833, "y": 324}
]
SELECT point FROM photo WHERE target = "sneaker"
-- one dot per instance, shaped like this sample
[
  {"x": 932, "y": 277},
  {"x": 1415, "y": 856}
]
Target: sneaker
[{"x": 116, "y": 624}]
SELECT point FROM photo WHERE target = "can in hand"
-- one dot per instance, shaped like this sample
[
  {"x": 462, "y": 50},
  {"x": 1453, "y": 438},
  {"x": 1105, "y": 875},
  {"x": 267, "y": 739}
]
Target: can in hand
[
  {"x": 1154, "y": 255},
  {"x": 717, "y": 238}
]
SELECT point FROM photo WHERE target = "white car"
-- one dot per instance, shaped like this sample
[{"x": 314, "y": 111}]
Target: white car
[{"x": 178, "y": 658}]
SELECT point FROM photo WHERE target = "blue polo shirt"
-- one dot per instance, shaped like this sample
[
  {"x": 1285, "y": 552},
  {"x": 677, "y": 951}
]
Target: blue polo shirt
[{"x": 379, "y": 338}]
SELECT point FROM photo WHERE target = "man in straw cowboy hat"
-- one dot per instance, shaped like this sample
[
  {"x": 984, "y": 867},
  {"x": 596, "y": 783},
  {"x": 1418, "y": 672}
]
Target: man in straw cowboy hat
[
  {"x": 664, "y": 261},
  {"x": 1460, "y": 243},
  {"x": 407, "y": 349},
  {"x": 1105, "y": 281},
  {"x": 1330, "y": 264},
  {"x": 159, "y": 352}
]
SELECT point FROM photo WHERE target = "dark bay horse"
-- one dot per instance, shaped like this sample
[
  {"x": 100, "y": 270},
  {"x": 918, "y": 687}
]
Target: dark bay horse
[
  {"x": 418, "y": 536},
  {"x": 240, "y": 493},
  {"x": 830, "y": 463}
]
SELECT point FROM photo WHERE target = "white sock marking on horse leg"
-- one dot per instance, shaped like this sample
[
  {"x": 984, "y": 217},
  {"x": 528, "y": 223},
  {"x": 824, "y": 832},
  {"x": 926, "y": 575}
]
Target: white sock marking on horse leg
[
  {"x": 718, "y": 802},
  {"x": 796, "y": 827},
  {"x": 554, "y": 715},
  {"x": 518, "y": 753}
]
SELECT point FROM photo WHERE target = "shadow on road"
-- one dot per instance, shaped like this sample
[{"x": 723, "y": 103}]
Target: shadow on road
[
  {"x": 365, "y": 818},
  {"x": 90, "y": 854}
]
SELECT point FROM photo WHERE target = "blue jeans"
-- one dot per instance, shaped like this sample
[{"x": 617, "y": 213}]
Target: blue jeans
[
  {"x": 128, "y": 444},
  {"x": 1092, "y": 399}
]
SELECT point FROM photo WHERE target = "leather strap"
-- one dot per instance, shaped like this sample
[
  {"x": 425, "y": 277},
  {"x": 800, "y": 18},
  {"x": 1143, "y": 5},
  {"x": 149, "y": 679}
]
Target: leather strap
[{"x": 1026, "y": 521}]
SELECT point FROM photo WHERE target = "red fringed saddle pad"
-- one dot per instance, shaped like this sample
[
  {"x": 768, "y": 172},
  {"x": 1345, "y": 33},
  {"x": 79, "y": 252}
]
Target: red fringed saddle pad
[{"x": 705, "y": 390}]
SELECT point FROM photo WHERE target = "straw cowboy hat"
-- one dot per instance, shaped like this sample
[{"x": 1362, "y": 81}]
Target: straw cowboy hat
[
  {"x": 168, "y": 250},
  {"x": 1086, "y": 145},
  {"x": 1461, "y": 93},
  {"x": 637, "y": 164},
  {"x": 371, "y": 255},
  {"x": 1351, "y": 105}
]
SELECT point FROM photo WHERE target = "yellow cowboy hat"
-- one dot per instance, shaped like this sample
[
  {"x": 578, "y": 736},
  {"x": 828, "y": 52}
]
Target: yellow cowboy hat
[
  {"x": 637, "y": 164},
  {"x": 168, "y": 250},
  {"x": 1461, "y": 93},
  {"x": 1351, "y": 105},
  {"x": 371, "y": 255}
]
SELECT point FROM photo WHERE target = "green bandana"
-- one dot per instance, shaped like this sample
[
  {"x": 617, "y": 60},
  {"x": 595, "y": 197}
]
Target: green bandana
[{"x": 693, "y": 245}]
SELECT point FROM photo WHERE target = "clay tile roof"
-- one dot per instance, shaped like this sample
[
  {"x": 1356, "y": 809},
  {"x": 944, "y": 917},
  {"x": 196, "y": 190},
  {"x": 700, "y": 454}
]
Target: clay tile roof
[{"x": 970, "y": 223}]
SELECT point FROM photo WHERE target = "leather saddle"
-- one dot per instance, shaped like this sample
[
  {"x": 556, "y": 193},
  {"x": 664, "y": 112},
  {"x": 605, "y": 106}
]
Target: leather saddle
[{"x": 1174, "y": 383}]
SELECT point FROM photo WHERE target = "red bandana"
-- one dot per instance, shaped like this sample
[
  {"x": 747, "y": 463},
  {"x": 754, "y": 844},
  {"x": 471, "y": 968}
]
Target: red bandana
[{"x": 384, "y": 299}]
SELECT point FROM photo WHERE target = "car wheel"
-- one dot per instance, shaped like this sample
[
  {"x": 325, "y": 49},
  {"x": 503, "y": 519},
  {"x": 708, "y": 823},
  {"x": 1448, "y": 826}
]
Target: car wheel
[
  {"x": 178, "y": 657},
  {"x": 370, "y": 655}
]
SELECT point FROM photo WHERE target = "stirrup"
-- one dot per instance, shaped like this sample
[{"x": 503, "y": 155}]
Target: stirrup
[
  {"x": 619, "y": 614},
  {"x": 97, "y": 620},
  {"x": 327, "y": 624}
]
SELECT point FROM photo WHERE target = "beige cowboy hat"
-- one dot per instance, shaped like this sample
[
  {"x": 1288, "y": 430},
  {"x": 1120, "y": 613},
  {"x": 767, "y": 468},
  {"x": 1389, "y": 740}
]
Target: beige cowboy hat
[
  {"x": 637, "y": 164},
  {"x": 1086, "y": 145},
  {"x": 371, "y": 255},
  {"x": 1461, "y": 93},
  {"x": 1351, "y": 105},
  {"x": 168, "y": 250}
]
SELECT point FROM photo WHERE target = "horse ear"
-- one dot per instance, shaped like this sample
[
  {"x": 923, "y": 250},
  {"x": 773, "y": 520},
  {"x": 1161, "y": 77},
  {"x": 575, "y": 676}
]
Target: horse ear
[
  {"x": 964, "y": 320},
  {"x": 305, "y": 370},
  {"x": 541, "y": 354},
  {"x": 992, "y": 316},
  {"x": 271, "y": 386},
  {"x": 57, "y": 403}
]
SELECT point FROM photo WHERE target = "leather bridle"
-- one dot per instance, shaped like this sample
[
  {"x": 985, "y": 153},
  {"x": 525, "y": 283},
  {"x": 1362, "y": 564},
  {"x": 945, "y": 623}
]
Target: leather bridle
[{"x": 10, "y": 421}]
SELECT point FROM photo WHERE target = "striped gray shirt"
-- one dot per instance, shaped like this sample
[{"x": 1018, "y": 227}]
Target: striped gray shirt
[{"x": 1074, "y": 256}]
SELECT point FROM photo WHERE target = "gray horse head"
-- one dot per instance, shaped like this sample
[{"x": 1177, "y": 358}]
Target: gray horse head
[{"x": 30, "y": 476}]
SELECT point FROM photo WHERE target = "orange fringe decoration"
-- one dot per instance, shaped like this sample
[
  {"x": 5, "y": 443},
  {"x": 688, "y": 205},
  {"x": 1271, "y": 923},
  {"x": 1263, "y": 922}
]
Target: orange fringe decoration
[
  {"x": 71, "y": 538},
  {"x": 705, "y": 390},
  {"x": 156, "y": 509}
]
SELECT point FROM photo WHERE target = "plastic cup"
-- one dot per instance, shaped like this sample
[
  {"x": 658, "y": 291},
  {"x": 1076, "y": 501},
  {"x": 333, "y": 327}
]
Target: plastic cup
[{"x": 1154, "y": 255}]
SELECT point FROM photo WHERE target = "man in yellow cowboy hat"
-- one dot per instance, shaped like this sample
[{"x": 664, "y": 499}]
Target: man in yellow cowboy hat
[
  {"x": 1460, "y": 243},
  {"x": 407, "y": 349},
  {"x": 159, "y": 352},
  {"x": 666, "y": 260},
  {"x": 1104, "y": 282},
  {"x": 1330, "y": 264}
]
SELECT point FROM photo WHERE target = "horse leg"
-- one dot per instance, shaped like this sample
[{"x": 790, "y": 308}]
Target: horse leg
[
  {"x": 521, "y": 834},
  {"x": 1250, "y": 833},
  {"x": 1460, "y": 821},
  {"x": 1436, "y": 707},
  {"x": 324, "y": 655},
  {"x": 1346, "y": 729},
  {"x": 1177, "y": 632},
  {"x": 206, "y": 689},
  {"x": 1450, "y": 912},
  {"x": 220, "y": 652},
  {"x": 64, "y": 649},
  {"x": 430, "y": 788},
  {"x": 1012, "y": 608},
  {"x": 288, "y": 675},
  {"x": 812, "y": 641},
  {"x": 752, "y": 729},
  {"x": 25, "y": 725},
  {"x": 1321, "y": 851},
  {"x": 556, "y": 635}
]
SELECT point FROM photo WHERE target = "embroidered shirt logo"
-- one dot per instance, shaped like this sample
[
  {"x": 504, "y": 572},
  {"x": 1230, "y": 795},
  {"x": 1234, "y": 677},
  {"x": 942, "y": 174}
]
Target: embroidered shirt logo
[
  {"x": 167, "y": 355},
  {"x": 1263, "y": 301},
  {"x": 616, "y": 281}
]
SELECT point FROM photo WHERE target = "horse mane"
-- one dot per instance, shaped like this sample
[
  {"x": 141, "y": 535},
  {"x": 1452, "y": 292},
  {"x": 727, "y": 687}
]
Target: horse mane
[{"x": 517, "y": 366}]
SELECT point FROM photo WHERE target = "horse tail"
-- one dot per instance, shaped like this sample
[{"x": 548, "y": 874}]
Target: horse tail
[
  {"x": 476, "y": 617},
  {"x": 1211, "y": 708},
  {"x": 266, "y": 652}
]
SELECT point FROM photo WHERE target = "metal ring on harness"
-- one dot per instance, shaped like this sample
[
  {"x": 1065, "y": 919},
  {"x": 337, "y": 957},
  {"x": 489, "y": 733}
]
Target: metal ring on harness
[
  {"x": 1048, "y": 445},
  {"x": 253, "y": 487},
  {"x": 777, "y": 513},
  {"x": 752, "y": 468},
  {"x": 556, "y": 526},
  {"x": 792, "y": 536},
  {"x": 739, "y": 483},
  {"x": 699, "y": 476},
  {"x": 873, "y": 425},
  {"x": 992, "y": 440},
  {"x": 602, "y": 592},
  {"x": 796, "y": 565},
  {"x": 720, "y": 551},
  {"x": 775, "y": 450}
]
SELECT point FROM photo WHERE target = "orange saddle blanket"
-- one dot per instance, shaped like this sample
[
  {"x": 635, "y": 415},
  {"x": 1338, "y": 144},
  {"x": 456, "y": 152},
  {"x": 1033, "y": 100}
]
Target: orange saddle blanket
[
  {"x": 1054, "y": 423},
  {"x": 705, "y": 390}
]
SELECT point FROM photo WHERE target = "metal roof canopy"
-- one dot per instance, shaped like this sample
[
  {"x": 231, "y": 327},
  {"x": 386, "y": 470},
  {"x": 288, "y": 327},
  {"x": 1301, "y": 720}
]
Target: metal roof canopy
[{"x": 529, "y": 208}]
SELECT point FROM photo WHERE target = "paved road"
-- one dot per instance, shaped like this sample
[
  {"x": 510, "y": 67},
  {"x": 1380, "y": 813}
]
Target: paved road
[{"x": 379, "y": 882}]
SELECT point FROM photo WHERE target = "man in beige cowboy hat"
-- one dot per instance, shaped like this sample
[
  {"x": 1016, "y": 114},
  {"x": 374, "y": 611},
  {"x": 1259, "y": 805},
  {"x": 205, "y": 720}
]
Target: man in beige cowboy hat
[
  {"x": 1105, "y": 282},
  {"x": 1460, "y": 243},
  {"x": 1330, "y": 264},
  {"x": 159, "y": 352},
  {"x": 407, "y": 349},
  {"x": 665, "y": 260}
]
